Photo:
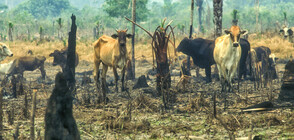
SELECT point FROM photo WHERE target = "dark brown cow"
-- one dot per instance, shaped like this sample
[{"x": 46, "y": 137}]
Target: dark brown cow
[
  {"x": 111, "y": 51},
  {"x": 60, "y": 57},
  {"x": 27, "y": 63}
]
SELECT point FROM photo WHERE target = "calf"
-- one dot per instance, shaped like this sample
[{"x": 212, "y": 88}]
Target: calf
[
  {"x": 201, "y": 51},
  {"x": 112, "y": 52},
  {"x": 227, "y": 54},
  {"x": 268, "y": 61},
  {"x": 4, "y": 51},
  {"x": 60, "y": 57},
  {"x": 254, "y": 67},
  {"x": 27, "y": 63}
]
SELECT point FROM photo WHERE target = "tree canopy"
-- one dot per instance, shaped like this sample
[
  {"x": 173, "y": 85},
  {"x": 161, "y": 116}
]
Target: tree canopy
[
  {"x": 43, "y": 8},
  {"x": 122, "y": 8}
]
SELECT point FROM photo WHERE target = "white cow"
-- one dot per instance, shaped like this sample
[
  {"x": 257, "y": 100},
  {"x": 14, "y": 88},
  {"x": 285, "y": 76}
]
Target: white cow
[
  {"x": 287, "y": 33},
  {"x": 227, "y": 54},
  {"x": 4, "y": 51}
]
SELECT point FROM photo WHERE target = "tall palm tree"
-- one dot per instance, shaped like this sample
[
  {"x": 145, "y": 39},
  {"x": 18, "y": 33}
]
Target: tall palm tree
[
  {"x": 190, "y": 35},
  {"x": 218, "y": 13}
]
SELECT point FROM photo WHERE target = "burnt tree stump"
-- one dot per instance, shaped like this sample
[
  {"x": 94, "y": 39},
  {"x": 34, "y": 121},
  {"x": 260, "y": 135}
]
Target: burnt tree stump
[
  {"x": 287, "y": 89},
  {"x": 59, "y": 120}
]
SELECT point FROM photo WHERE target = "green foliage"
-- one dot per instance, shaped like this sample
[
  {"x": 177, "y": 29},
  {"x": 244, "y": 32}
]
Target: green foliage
[
  {"x": 235, "y": 14},
  {"x": 59, "y": 22},
  {"x": 122, "y": 8},
  {"x": 43, "y": 8},
  {"x": 2, "y": 7},
  {"x": 10, "y": 25},
  {"x": 41, "y": 30},
  {"x": 285, "y": 15}
]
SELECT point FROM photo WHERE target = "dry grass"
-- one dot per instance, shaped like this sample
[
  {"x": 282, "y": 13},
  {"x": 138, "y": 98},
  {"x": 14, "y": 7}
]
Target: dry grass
[{"x": 281, "y": 47}]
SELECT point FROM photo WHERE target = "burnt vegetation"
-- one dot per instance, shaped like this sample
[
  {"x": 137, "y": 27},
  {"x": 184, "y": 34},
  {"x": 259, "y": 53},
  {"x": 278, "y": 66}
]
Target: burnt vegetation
[{"x": 165, "y": 94}]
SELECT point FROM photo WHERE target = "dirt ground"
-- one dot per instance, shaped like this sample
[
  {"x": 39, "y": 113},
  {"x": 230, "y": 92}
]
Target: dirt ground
[{"x": 142, "y": 116}]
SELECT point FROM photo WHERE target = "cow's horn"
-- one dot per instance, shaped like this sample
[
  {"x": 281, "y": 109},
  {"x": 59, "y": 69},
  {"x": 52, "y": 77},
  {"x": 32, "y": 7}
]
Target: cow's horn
[
  {"x": 116, "y": 30},
  {"x": 126, "y": 30}
]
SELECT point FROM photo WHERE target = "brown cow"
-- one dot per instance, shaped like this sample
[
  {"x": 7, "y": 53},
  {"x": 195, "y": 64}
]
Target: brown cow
[
  {"x": 111, "y": 51},
  {"x": 26, "y": 63},
  {"x": 60, "y": 57}
]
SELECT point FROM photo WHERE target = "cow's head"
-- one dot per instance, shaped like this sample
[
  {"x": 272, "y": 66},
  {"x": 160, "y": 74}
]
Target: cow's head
[
  {"x": 59, "y": 57},
  {"x": 286, "y": 32},
  {"x": 183, "y": 46},
  {"x": 4, "y": 50},
  {"x": 273, "y": 59},
  {"x": 121, "y": 35},
  {"x": 235, "y": 34}
]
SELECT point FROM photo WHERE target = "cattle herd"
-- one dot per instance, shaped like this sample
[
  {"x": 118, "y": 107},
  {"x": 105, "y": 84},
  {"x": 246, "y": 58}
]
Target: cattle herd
[{"x": 231, "y": 54}]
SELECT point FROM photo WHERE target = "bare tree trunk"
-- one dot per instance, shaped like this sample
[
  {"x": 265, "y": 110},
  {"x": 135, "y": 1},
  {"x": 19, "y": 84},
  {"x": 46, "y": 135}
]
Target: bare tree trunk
[
  {"x": 10, "y": 30},
  {"x": 53, "y": 29},
  {"x": 71, "y": 56},
  {"x": 199, "y": 4},
  {"x": 218, "y": 13},
  {"x": 133, "y": 40},
  {"x": 1, "y": 114},
  {"x": 257, "y": 15},
  {"x": 208, "y": 17},
  {"x": 94, "y": 33},
  {"x": 190, "y": 35},
  {"x": 32, "y": 128}
]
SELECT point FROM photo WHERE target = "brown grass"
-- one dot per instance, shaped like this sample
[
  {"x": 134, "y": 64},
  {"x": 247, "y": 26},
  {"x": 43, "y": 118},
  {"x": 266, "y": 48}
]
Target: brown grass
[{"x": 282, "y": 48}]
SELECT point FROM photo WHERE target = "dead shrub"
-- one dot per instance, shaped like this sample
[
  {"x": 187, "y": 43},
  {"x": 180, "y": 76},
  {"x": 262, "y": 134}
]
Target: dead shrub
[{"x": 145, "y": 102}]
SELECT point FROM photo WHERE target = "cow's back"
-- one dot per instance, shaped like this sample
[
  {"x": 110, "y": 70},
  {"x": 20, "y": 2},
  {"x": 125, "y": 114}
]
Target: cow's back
[
  {"x": 103, "y": 49},
  {"x": 203, "y": 52},
  {"x": 29, "y": 63}
]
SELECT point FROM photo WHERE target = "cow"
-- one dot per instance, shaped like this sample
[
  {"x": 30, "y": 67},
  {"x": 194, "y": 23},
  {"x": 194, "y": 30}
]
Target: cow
[
  {"x": 254, "y": 67},
  {"x": 22, "y": 64},
  {"x": 112, "y": 52},
  {"x": 4, "y": 51},
  {"x": 245, "y": 48},
  {"x": 267, "y": 62},
  {"x": 227, "y": 54},
  {"x": 201, "y": 51},
  {"x": 287, "y": 33},
  {"x": 60, "y": 57}
]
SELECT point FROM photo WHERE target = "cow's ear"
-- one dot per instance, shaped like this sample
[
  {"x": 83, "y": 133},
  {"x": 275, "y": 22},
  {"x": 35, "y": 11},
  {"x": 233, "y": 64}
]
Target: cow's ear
[
  {"x": 244, "y": 32},
  {"x": 290, "y": 31},
  {"x": 51, "y": 54},
  {"x": 227, "y": 32},
  {"x": 129, "y": 35},
  {"x": 114, "y": 36}
]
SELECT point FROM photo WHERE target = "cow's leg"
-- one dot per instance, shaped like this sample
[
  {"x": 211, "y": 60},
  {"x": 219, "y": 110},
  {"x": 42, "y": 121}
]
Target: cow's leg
[
  {"x": 123, "y": 79},
  {"x": 97, "y": 73},
  {"x": 208, "y": 74},
  {"x": 221, "y": 78},
  {"x": 43, "y": 72},
  {"x": 198, "y": 75},
  {"x": 116, "y": 78},
  {"x": 104, "y": 86}
]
